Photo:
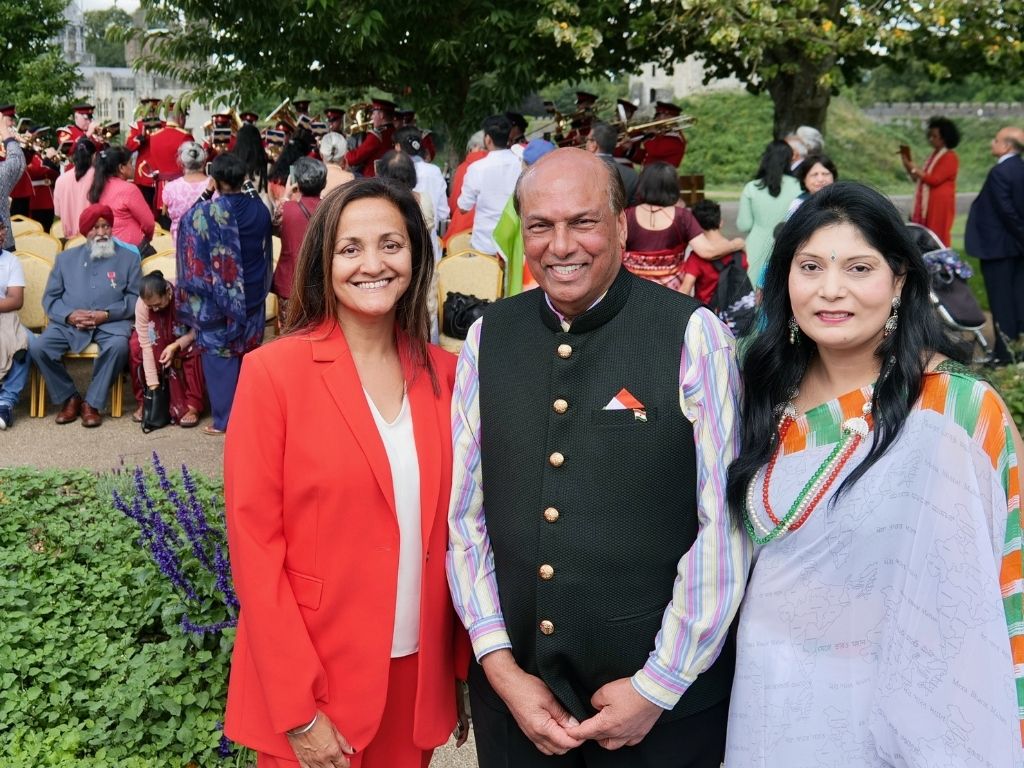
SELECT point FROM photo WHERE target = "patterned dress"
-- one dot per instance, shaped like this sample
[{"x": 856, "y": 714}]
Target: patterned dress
[{"x": 886, "y": 631}]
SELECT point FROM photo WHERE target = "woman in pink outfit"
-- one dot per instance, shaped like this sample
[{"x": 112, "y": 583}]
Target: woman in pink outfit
[
  {"x": 181, "y": 194},
  {"x": 133, "y": 219},
  {"x": 71, "y": 190}
]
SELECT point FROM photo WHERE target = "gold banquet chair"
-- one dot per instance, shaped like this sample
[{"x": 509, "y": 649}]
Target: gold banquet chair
[
  {"x": 39, "y": 243},
  {"x": 165, "y": 261},
  {"x": 459, "y": 243},
  {"x": 22, "y": 225},
  {"x": 57, "y": 229},
  {"x": 469, "y": 272},
  {"x": 37, "y": 272},
  {"x": 162, "y": 242},
  {"x": 74, "y": 242}
]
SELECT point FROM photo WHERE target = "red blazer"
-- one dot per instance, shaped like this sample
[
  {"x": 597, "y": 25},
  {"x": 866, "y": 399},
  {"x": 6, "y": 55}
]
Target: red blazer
[{"x": 314, "y": 547}]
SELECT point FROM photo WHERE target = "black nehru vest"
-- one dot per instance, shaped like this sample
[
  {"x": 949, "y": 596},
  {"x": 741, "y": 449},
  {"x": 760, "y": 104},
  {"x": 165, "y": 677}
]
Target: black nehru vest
[{"x": 589, "y": 509}]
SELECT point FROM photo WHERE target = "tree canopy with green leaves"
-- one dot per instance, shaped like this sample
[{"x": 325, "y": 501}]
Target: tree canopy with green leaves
[
  {"x": 801, "y": 51},
  {"x": 33, "y": 74},
  {"x": 454, "y": 62}
]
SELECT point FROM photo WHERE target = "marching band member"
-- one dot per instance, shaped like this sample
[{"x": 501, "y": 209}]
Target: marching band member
[
  {"x": 82, "y": 127},
  {"x": 630, "y": 150},
  {"x": 583, "y": 118},
  {"x": 162, "y": 163},
  {"x": 138, "y": 142},
  {"x": 43, "y": 170},
  {"x": 249, "y": 117},
  {"x": 377, "y": 141},
  {"x": 670, "y": 146},
  {"x": 335, "y": 117},
  {"x": 222, "y": 136}
]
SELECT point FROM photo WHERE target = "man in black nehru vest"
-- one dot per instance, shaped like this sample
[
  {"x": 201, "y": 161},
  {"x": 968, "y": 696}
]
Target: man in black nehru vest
[{"x": 592, "y": 557}]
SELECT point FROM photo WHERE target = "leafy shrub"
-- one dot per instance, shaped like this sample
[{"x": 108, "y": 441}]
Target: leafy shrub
[{"x": 96, "y": 670}]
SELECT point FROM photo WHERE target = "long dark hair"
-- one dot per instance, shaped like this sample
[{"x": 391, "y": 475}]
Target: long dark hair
[
  {"x": 106, "y": 165},
  {"x": 773, "y": 368},
  {"x": 774, "y": 164},
  {"x": 313, "y": 301},
  {"x": 298, "y": 146},
  {"x": 249, "y": 147},
  {"x": 658, "y": 185},
  {"x": 82, "y": 158}
]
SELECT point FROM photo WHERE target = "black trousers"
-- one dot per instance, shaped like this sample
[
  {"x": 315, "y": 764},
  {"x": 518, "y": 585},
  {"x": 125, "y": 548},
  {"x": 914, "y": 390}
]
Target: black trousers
[
  {"x": 697, "y": 741},
  {"x": 1004, "y": 283}
]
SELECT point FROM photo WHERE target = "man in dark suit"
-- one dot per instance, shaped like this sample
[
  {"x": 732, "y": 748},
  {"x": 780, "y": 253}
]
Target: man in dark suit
[
  {"x": 601, "y": 142},
  {"x": 995, "y": 235}
]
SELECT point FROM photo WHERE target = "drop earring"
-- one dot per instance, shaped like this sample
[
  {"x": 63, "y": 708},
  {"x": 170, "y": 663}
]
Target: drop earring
[
  {"x": 794, "y": 331},
  {"x": 893, "y": 319}
]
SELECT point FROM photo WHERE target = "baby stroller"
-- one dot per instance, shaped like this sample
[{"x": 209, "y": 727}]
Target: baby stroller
[{"x": 950, "y": 293}]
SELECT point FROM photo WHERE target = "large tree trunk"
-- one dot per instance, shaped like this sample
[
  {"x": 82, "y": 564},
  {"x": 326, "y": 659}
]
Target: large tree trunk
[{"x": 800, "y": 98}]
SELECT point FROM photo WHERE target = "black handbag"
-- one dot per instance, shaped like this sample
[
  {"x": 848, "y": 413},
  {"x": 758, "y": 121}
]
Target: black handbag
[
  {"x": 460, "y": 311},
  {"x": 156, "y": 406}
]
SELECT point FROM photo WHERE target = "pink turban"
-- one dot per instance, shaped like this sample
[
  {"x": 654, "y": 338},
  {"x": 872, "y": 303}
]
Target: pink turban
[{"x": 92, "y": 214}]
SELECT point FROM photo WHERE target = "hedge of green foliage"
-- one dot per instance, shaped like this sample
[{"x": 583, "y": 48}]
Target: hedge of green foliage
[{"x": 96, "y": 670}]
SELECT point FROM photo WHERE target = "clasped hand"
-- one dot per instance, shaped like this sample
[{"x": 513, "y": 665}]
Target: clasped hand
[
  {"x": 623, "y": 718},
  {"x": 86, "y": 319}
]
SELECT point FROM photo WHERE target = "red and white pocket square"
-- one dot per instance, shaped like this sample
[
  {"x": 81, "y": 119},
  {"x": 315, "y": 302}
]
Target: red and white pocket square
[{"x": 626, "y": 401}]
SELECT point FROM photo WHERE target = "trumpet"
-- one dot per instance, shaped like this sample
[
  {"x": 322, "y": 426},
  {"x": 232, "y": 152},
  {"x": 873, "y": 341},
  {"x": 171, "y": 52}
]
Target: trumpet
[
  {"x": 657, "y": 127},
  {"x": 109, "y": 130}
]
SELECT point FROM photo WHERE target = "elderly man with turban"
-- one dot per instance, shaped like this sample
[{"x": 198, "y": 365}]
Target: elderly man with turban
[{"x": 90, "y": 297}]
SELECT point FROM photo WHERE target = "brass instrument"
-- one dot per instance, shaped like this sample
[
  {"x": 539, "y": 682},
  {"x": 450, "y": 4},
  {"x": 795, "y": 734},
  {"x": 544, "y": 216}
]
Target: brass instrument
[
  {"x": 108, "y": 130},
  {"x": 282, "y": 114},
  {"x": 357, "y": 119},
  {"x": 658, "y": 127}
]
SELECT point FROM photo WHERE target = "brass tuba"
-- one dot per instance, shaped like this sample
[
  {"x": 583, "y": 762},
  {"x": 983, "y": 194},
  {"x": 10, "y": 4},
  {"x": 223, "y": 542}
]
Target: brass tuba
[{"x": 282, "y": 114}]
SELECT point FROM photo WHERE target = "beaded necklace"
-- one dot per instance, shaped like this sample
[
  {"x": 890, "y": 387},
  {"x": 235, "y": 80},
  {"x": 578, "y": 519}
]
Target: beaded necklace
[{"x": 855, "y": 429}]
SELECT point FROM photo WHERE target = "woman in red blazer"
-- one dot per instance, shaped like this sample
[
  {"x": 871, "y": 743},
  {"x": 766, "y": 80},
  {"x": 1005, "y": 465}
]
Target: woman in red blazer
[{"x": 337, "y": 470}]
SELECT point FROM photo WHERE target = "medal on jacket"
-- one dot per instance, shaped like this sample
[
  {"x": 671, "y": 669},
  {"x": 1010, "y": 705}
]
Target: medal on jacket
[{"x": 111, "y": 277}]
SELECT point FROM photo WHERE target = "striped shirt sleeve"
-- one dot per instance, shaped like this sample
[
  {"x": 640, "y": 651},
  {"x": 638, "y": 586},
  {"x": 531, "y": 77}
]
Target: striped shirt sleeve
[
  {"x": 470, "y": 559},
  {"x": 711, "y": 576}
]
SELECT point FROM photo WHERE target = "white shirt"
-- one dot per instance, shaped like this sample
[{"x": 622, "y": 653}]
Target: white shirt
[
  {"x": 400, "y": 446},
  {"x": 11, "y": 273},
  {"x": 430, "y": 181},
  {"x": 488, "y": 184}
]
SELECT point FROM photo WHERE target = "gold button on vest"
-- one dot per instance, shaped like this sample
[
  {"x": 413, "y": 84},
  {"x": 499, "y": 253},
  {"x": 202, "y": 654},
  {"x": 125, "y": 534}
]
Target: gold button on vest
[
  {"x": 551, "y": 514},
  {"x": 560, "y": 405},
  {"x": 564, "y": 351},
  {"x": 546, "y": 572},
  {"x": 547, "y": 627},
  {"x": 556, "y": 459}
]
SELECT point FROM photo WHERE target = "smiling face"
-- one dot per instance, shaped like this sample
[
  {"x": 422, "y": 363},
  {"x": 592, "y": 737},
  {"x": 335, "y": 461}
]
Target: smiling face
[
  {"x": 372, "y": 263},
  {"x": 818, "y": 177},
  {"x": 572, "y": 241},
  {"x": 841, "y": 303}
]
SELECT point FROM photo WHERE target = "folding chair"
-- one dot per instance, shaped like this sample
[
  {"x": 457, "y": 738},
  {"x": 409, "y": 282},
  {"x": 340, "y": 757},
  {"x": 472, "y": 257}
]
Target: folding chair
[{"x": 37, "y": 272}]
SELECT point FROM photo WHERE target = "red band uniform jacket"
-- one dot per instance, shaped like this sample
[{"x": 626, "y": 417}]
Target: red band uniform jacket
[{"x": 314, "y": 543}]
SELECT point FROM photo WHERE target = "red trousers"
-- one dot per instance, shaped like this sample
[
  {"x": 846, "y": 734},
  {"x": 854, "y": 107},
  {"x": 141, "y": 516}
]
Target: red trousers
[{"x": 392, "y": 745}]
